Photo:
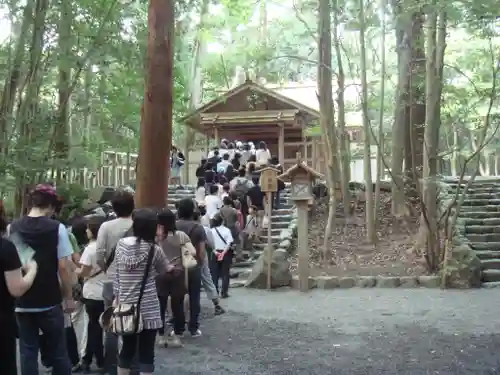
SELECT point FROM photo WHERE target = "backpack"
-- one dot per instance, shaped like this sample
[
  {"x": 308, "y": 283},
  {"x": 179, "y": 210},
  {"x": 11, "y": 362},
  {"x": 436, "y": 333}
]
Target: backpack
[
  {"x": 128, "y": 233},
  {"x": 241, "y": 188}
]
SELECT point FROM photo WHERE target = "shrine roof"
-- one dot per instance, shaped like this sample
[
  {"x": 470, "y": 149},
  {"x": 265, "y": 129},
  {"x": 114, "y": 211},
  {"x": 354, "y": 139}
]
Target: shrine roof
[{"x": 303, "y": 99}]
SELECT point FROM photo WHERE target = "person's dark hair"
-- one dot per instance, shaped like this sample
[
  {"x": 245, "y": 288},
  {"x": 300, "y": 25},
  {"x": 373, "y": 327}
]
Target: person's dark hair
[
  {"x": 230, "y": 146},
  {"x": 262, "y": 145},
  {"x": 208, "y": 166},
  {"x": 246, "y": 147},
  {"x": 222, "y": 180},
  {"x": 3, "y": 218},
  {"x": 44, "y": 196},
  {"x": 237, "y": 156},
  {"x": 230, "y": 172},
  {"x": 144, "y": 223},
  {"x": 203, "y": 161},
  {"x": 79, "y": 227},
  {"x": 227, "y": 201},
  {"x": 252, "y": 158},
  {"x": 255, "y": 180},
  {"x": 186, "y": 209},
  {"x": 217, "y": 221},
  {"x": 196, "y": 215},
  {"x": 226, "y": 187},
  {"x": 214, "y": 189},
  {"x": 123, "y": 203},
  {"x": 251, "y": 168},
  {"x": 216, "y": 152},
  {"x": 274, "y": 160},
  {"x": 202, "y": 210},
  {"x": 201, "y": 182},
  {"x": 93, "y": 224},
  {"x": 166, "y": 218},
  {"x": 225, "y": 157},
  {"x": 242, "y": 172}
]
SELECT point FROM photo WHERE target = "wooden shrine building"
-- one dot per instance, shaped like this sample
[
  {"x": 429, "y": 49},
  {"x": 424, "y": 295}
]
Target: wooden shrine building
[{"x": 252, "y": 112}]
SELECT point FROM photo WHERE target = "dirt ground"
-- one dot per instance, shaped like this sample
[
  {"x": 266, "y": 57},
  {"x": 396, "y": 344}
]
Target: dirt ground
[{"x": 351, "y": 255}]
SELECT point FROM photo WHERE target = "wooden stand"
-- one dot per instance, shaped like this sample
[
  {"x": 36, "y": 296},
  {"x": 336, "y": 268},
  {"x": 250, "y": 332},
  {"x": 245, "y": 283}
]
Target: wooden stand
[
  {"x": 302, "y": 244},
  {"x": 269, "y": 209}
]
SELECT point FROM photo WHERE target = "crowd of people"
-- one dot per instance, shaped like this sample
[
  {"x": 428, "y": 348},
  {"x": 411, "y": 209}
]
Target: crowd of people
[{"x": 103, "y": 269}]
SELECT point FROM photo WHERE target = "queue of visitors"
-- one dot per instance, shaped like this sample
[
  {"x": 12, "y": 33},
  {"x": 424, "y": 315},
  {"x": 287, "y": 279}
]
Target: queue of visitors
[{"x": 117, "y": 274}]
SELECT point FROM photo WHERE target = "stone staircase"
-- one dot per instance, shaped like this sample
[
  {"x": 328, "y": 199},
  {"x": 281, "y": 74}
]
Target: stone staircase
[
  {"x": 480, "y": 218},
  {"x": 280, "y": 220}
]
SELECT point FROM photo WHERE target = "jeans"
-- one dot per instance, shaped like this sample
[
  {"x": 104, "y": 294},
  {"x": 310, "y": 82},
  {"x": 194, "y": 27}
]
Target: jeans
[
  {"x": 220, "y": 270},
  {"x": 110, "y": 338},
  {"x": 51, "y": 323},
  {"x": 276, "y": 200},
  {"x": 142, "y": 345},
  {"x": 207, "y": 281},
  {"x": 71, "y": 345},
  {"x": 94, "y": 347},
  {"x": 8, "y": 351},
  {"x": 177, "y": 304}
]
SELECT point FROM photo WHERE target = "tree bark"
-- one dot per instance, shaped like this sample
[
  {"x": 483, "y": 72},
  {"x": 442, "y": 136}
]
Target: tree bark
[
  {"x": 327, "y": 119},
  {"x": 156, "y": 120},
  {"x": 370, "y": 218},
  {"x": 345, "y": 169},
  {"x": 380, "y": 153}
]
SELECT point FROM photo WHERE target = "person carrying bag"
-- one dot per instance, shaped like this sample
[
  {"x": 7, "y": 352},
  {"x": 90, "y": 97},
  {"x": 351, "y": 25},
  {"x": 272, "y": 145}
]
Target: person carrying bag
[{"x": 222, "y": 257}]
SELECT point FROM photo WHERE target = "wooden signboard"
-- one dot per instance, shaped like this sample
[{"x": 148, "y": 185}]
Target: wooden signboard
[{"x": 268, "y": 180}]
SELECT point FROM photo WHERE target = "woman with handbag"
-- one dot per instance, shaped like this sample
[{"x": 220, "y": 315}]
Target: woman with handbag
[
  {"x": 222, "y": 256},
  {"x": 136, "y": 314},
  {"x": 173, "y": 282}
]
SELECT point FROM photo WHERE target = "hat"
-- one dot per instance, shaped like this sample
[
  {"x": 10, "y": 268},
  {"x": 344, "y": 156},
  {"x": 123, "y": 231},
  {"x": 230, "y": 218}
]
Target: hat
[{"x": 46, "y": 189}]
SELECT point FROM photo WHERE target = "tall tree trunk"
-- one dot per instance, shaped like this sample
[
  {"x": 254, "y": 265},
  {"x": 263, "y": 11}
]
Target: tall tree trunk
[
  {"x": 327, "y": 119},
  {"x": 156, "y": 122},
  {"x": 196, "y": 86},
  {"x": 380, "y": 153},
  {"x": 87, "y": 107},
  {"x": 435, "y": 56},
  {"x": 11, "y": 85},
  {"x": 343, "y": 144},
  {"x": 400, "y": 114},
  {"x": 367, "y": 161},
  {"x": 62, "y": 140},
  {"x": 414, "y": 135}
]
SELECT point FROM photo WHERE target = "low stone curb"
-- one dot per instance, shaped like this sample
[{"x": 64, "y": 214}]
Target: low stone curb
[{"x": 335, "y": 282}]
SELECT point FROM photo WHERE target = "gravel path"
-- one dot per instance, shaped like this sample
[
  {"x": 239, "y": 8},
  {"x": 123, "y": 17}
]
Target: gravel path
[{"x": 350, "y": 332}]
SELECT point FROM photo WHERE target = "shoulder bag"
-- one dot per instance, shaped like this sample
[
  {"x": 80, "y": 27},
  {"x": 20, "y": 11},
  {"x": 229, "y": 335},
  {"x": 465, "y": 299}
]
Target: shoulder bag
[{"x": 126, "y": 318}]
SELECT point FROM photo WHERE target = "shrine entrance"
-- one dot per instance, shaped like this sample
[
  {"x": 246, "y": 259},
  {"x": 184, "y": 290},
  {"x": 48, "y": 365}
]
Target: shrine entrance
[{"x": 252, "y": 112}]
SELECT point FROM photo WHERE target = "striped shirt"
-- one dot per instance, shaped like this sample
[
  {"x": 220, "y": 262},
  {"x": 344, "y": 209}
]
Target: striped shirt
[{"x": 130, "y": 262}]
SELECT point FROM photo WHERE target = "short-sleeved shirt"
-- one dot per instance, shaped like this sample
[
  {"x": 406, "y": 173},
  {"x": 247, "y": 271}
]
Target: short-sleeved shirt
[
  {"x": 195, "y": 232},
  {"x": 9, "y": 261},
  {"x": 256, "y": 196},
  {"x": 93, "y": 285}
]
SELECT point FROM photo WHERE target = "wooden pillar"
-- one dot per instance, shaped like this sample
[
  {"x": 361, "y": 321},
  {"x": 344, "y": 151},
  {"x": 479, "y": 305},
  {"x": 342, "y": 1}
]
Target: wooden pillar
[
  {"x": 304, "y": 142},
  {"x": 207, "y": 144},
  {"x": 216, "y": 135},
  {"x": 303, "y": 247},
  {"x": 281, "y": 144},
  {"x": 156, "y": 119}
]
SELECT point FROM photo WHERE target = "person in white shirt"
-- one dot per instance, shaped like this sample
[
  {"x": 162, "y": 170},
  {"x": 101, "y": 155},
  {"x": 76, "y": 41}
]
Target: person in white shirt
[
  {"x": 199, "y": 195},
  {"x": 222, "y": 166},
  {"x": 94, "y": 278},
  {"x": 263, "y": 154},
  {"x": 222, "y": 257},
  {"x": 213, "y": 202}
]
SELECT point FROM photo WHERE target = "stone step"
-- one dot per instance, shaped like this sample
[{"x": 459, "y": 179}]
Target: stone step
[
  {"x": 485, "y": 246},
  {"x": 484, "y": 237},
  {"x": 486, "y": 221},
  {"x": 491, "y": 275},
  {"x": 479, "y": 214},
  {"x": 488, "y": 254},
  {"x": 478, "y": 190},
  {"x": 481, "y": 202},
  {"x": 486, "y": 208},
  {"x": 491, "y": 285},
  {"x": 493, "y": 195},
  {"x": 240, "y": 272},
  {"x": 279, "y": 224},
  {"x": 244, "y": 264},
  {"x": 282, "y": 211},
  {"x": 482, "y": 229},
  {"x": 490, "y": 264},
  {"x": 281, "y": 218}
]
